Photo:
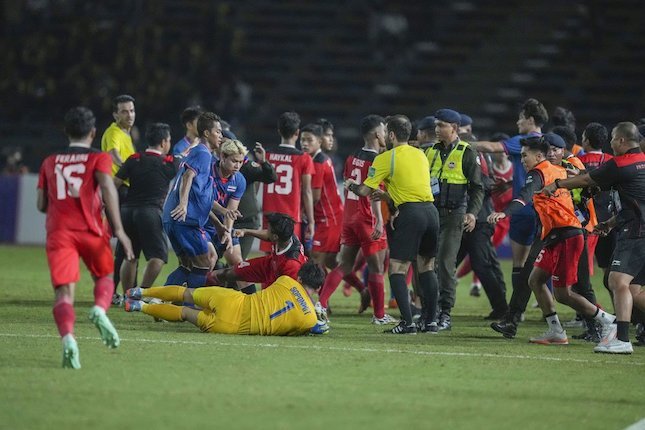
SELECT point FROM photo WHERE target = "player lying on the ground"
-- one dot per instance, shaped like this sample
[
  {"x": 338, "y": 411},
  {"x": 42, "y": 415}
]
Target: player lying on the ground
[{"x": 282, "y": 309}]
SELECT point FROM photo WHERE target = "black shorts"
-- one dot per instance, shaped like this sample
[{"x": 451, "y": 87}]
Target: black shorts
[
  {"x": 629, "y": 258},
  {"x": 416, "y": 231},
  {"x": 605, "y": 248},
  {"x": 144, "y": 228}
]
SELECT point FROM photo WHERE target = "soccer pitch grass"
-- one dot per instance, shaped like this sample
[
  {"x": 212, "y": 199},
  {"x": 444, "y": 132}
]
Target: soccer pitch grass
[{"x": 171, "y": 376}]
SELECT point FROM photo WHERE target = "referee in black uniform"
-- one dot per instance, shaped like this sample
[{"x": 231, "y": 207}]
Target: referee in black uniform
[
  {"x": 415, "y": 226},
  {"x": 149, "y": 173}
]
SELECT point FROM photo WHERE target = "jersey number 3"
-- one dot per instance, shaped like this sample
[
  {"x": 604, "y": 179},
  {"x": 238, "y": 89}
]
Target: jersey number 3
[
  {"x": 355, "y": 175},
  {"x": 284, "y": 184},
  {"x": 67, "y": 184}
]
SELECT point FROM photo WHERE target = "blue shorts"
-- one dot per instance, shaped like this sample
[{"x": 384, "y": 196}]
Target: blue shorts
[
  {"x": 211, "y": 233},
  {"x": 523, "y": 226},
  {"x": 187, "y": 240}
]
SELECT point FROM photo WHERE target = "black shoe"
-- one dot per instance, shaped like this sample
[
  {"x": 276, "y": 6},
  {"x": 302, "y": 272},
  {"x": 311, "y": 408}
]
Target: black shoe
[
  {"x": 592, "y": 334},
  {"x": 507, "y": 328},
  {"x": 444, "y": 321},
  {"x": 640, "y": 335},
  {"x": 402, "y": 328},
  {"x": 428, "y": 327}
]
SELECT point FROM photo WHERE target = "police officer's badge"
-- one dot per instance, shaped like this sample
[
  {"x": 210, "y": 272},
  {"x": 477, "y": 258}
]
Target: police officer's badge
[{"x": 451, "y": 165}]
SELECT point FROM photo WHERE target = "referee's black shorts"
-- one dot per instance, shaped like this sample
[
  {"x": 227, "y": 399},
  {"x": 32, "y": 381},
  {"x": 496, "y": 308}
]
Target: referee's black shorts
[
  {"x": 416, "y": 231},
  {"x": 144, "y": 228},
  {"x": 605, "y": 248}
]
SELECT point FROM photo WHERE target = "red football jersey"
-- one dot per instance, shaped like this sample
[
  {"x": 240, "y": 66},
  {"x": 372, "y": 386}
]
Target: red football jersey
[
  {"x": 283, "y": 196},
  {"x": 358, "y": 209},
  {"x": 73, "y": 195},
  {"x": 502, "y": 192},
  {"x": 329, "y": 209},
  {"x": 593, "y": 159}
]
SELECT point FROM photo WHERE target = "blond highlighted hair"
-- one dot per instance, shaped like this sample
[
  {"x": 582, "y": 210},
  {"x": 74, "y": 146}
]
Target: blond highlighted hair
[{"x": 232, "y": 147}]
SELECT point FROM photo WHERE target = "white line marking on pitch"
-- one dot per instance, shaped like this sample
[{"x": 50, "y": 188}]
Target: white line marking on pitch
[
  {"x": 640, "y": 425},
  {"x": 346, "y": 349}
]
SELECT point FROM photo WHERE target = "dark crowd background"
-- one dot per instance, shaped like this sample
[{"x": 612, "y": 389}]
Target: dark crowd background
[{"x": 249, "y": 60}]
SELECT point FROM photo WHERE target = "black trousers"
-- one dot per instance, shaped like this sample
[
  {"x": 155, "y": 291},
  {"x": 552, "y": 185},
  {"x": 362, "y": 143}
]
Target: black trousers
[{"x": 483, "y": 259}]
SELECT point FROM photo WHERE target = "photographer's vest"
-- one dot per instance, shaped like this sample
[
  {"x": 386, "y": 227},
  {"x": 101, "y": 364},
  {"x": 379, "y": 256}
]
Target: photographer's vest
[
  {"x": 556, "y": 211},
  {"x": 447, "y": 179}
]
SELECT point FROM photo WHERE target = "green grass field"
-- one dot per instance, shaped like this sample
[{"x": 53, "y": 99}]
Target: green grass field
[{"x": 170, "y": 376}]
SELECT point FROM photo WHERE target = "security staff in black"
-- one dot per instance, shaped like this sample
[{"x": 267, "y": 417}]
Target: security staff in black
[
  {"x": 259, "y": 170},
  {"x": 415, "y": 221},
  {"x": 455, "y": 180},
  {"x": 149, "y": 173},
  {"x": 626, "y": 174},
  {"x": 478, "y": 245}
]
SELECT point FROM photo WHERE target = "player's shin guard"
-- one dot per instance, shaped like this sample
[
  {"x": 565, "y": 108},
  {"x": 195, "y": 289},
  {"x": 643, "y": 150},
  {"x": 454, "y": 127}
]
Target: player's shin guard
[
  {"x": 376, "y": 285},
  {"x": 103, "y": 288},
  {"x": 165, "y": 312},
  {"x": 197, "y": 277},
  {"x": 331, "y": 283},
  {"x": 169, "y": 293},
  {"x": 353, "y": 280},
  {"x": 64, "y": 316},
  {"x": 179, "y": 276}
]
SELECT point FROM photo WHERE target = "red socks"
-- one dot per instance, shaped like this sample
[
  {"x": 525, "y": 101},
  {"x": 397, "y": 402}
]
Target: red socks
[
  {"x": 331, "y": 283},
  {"x": 353, "y": 280},
  {"x": 376, "y": 285},
  {"x": 103, "y": 290},
  {"x": 64, "y": 316}
]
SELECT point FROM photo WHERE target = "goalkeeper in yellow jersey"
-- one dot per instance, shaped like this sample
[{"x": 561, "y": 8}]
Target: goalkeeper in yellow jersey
[{"x": 282, "y": 309}]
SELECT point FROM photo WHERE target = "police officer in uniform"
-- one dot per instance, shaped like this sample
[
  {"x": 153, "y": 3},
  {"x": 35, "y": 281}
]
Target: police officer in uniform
[{"x": 455, "y": 180}]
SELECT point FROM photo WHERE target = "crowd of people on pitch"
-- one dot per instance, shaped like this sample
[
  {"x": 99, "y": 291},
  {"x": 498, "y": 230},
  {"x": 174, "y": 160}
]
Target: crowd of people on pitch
[{"x": 414, "y": 207}]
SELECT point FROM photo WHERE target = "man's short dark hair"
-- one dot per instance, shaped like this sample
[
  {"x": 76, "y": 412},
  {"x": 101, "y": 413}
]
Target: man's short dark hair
[
  {"x": 206, "y": 121},
  {"x": 281, "y": 225},
  {"x": 314, "y": 129},
  {"x": 156, "y": 132},
  {"x": 535, "y": 109},
  {"x": 325, "y": 124},
  {"x": 123, "y": 98},
  {"x": 400, "y": 125},
  {"x": 311, "y": 275},
  {"x": 190, "y": 114},
  {"x": 369, "y": 123},
  {"x": 288, "y": 124},
  {"x": 79, "y": 122},
  {"x": 536, "y": 143},
  {"x": 563, "y": 117},
  {"x": 499, "y": 136},
  {"x": 567, "y": 134},
  {"x": 597, "y": 135}
]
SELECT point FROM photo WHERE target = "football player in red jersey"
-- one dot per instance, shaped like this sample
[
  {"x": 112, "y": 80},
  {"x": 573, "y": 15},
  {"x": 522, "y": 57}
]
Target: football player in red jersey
[
  {"x": 292, "y": 189},
  {"x": 70, "y": 187},
  {"x": 363, "y": 225}
]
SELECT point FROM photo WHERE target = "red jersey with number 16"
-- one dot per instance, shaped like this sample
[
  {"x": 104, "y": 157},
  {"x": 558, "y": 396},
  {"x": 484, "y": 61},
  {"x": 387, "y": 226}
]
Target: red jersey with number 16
[
  {"x": 72, "y": 191},
  {"x": 358, "y": 209},
  {"x": 283, "y": 196}
]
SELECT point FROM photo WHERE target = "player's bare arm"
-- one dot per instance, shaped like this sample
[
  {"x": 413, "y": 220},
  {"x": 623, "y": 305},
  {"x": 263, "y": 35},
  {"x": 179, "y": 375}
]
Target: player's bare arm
[
  {"x": 359, "y": 189},
  {"x": 116, "y": 158},
  {"x": 579, "y": 181},
  {"x": 227, "y": 212},
  {"x": 488, "y": 146},
  {"x": 111, "y": 201},
  {"x": 41, "y": 202},
  {"x": 260, "y": 234},
  {"x": 378, "y": 227},
  {"x": 179, "y": 213},
  {"x": 307, "y": 198}
]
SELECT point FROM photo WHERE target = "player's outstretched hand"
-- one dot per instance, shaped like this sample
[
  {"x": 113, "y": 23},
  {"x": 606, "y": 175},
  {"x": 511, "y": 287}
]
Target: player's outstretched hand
[
  {"x": 125, "y": 243},
  {"x": 233, "y": 214},
  {"x": 179, "y": 213},
  {"x": 238, "y": 232},
  {"x": 227, "y": 240},
  {"x": 495, "y": 217},
  {"x": 602, "y": 229},
  {"x": 548, "y": 190},
  {"x": 260, "y": 152}
]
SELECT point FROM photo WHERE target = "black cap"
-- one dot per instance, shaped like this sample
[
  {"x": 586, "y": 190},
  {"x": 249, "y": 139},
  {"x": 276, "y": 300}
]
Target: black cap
[
  {"x": 448, "y": 115},
  {"x": 554, "y": 140},
  {"x": 465, "y": 120},
  {"x": 427, "y": 122}
]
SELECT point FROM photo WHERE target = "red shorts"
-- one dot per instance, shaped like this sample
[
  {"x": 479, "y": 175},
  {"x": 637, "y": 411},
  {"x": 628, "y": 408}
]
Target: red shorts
[
  {"x": 64, "y": 247},
  {"x": 561, "y": 260},
  {"x": 327, "y": 238},
  {"x": 268, "y": 246},
  {"x": 268, "y": 268},
  {"x": 360, "y": 234}
]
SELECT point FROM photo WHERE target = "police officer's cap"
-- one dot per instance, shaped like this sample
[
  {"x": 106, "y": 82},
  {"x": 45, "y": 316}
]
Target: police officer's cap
[
  {"x": 448, "y": 115},
  {"x": 554, "y": 140},
  {"x": 427, "y": 122},
  {"x": 465, "y": 120}
]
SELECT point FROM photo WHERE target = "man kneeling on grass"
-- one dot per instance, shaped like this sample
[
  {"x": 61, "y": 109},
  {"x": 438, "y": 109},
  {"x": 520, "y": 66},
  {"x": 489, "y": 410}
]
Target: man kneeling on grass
[{"x": 284, "y": 308}]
